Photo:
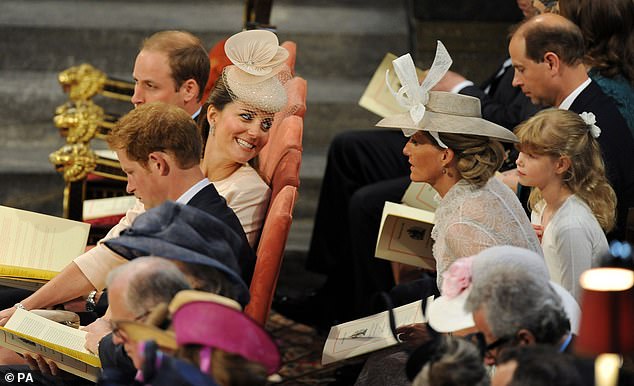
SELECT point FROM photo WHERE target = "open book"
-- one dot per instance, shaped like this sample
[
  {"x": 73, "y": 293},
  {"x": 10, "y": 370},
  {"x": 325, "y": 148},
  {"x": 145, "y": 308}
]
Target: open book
[
  {"x": 107, "y": 207},
  {"x": 405, "y": 232},
  {"x": 27, "y": 332},
  {"x": 368, "y": 334},
  {"x": 35, "y": 247},
  {"x": 377, "y": 98}
]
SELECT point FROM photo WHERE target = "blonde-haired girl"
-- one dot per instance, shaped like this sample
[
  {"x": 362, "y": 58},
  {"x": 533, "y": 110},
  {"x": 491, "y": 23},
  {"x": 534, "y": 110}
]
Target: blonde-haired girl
[{"x": 572, "y": 202}]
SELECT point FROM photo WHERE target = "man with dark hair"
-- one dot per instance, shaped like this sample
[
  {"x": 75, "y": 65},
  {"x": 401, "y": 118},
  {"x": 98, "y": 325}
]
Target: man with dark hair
[{"x": 547, "y": 52}]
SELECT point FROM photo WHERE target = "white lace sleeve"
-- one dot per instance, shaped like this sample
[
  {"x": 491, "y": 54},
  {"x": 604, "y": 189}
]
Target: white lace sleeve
[{"x": 471, "y": 219}]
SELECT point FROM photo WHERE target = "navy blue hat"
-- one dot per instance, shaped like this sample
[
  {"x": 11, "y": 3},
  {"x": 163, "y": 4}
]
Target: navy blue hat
[{"x": 184, "y": 233}]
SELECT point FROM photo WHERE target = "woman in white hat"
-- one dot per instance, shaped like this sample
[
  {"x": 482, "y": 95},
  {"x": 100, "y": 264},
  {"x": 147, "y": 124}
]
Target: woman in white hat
[
  {"x": 242, "y": 106},
  {"x": 457, "y": 152}
]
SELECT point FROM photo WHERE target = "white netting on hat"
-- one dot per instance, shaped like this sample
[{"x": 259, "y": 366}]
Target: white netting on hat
[
  {"x": 259, "y": 76},
  {"x": 266, "y": 94}
]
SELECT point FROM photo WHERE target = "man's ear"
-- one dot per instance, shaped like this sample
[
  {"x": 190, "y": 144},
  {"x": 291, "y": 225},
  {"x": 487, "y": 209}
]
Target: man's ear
[
  {"x": 524, "y": 337},
  {"x": 190, "y": 89},
  {"x": 159, "y": 162},
  {"x": 553, "y": 61}
]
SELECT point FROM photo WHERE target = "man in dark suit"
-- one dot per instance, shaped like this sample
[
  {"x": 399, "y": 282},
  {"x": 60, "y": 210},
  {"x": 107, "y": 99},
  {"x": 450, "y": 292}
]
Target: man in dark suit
[
  {"x": 547, "y": 52},
  {"x": 171, "y": 67},
  {"x": 159, "y": 150}
]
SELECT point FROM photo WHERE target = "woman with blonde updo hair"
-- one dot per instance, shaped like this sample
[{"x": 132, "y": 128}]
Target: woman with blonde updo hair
[
  {"x": 458, "y": 153},
  {"x": 476, "y": 210},
  {"x": 572, "y": 202}
]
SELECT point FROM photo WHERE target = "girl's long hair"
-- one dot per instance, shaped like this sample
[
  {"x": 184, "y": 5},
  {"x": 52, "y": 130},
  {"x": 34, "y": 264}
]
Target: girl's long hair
[{"x": 562, "y": 133}]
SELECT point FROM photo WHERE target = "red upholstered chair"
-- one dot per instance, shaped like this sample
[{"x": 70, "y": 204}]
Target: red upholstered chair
[
  {"x": 217, "y": 62},
  {"x": 297, "y": 89},
  {"x": 291, "y": 47},
  {"x": 270, "y": 253},
  {"x": 286, "y": 172},
  {"x": 287, "y": 135}
]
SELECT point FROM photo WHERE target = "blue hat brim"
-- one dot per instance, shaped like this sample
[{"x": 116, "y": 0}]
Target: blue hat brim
[{"x": 131, "y": 247}]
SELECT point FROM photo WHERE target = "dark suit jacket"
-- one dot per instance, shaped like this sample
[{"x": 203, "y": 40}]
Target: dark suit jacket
[
  {"x": 617, "y": 149},
  {"x": 117, "y": 366},
  {"x": 210, "y": 201},
  {"x": 504, "y": 104}
]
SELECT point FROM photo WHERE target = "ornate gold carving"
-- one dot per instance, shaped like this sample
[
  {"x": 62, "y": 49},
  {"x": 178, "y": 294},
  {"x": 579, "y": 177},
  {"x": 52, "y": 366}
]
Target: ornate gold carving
[
  {"x": 79, "y": 122},
  {"x": 74, "y": 161},
  {"x": 82, "y": 82},
  {"x": 85, "y": 81}
]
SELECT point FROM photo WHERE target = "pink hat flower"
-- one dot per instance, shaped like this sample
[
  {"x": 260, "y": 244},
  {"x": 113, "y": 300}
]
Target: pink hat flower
[{"x": 458, "y": 277}]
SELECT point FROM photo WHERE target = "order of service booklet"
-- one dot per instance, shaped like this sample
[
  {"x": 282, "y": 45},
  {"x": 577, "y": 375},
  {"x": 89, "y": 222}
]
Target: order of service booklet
[
  {"x": 377, "y": 98},
  {"x": 405, "y": 232},
  {"x": 35, "y": 247},
  {"x": 27, "y": 332},
  {"x": 107, "y": 207},
  {"x": 368, "y": 334}
]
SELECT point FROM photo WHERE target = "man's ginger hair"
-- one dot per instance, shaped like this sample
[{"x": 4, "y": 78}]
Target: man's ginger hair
[{"x": 154, "y": 127}]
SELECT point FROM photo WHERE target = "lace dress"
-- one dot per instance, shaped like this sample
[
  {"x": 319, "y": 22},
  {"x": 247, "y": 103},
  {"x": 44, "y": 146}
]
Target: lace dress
[{"x": 470, "y": 219}]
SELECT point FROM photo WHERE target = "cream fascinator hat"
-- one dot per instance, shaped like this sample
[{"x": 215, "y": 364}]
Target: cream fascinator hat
[
  {"x": 437, "y": 111},
  {"x": 259, "y": 74}
]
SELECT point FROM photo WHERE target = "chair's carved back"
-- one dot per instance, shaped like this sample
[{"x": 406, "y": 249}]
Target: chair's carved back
[{"x": 81, "y": 121}]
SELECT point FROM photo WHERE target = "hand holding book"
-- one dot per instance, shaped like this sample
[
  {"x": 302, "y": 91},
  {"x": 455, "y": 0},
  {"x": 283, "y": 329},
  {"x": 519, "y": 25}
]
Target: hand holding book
[{"x": 39, "y": 363}]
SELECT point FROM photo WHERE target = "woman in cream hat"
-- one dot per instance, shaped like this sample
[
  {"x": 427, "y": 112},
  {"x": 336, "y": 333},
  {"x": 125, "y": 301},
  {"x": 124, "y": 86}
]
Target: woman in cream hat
[
  {"x": 457, "y": 152},
  {"x": 241, "y": 108}
]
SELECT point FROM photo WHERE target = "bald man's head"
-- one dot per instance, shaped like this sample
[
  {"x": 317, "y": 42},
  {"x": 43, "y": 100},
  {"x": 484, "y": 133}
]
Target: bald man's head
[{"x": 550, "y": 33}]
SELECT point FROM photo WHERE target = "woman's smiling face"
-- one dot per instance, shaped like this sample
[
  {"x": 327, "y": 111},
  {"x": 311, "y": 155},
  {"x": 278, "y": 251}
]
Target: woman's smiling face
[{"x": 239, "y": 131}]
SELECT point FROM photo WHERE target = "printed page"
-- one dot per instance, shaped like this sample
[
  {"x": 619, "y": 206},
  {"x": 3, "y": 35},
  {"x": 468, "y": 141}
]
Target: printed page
[
  {"x": 377, "y": 98},
  {"x": 27, "y": 323},
  {"x": 32, "y": 241},
  {"x": 22, "y": 344},
  {"x": 107, "y": 154},
  {"x": 104, "y": 207},
  {"x": 422, "y": 196},
  {"x": 27, "y": 332},
  {"x": 405, "y": 236},
  {"x": 367, "y": 334}
]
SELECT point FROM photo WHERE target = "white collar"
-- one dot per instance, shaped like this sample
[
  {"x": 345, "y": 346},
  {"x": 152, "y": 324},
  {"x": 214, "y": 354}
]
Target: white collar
[
  {"x": 191, "y": 192},
  {"x": 566, "y": 103},
  {"x": 197, "y": 113}
]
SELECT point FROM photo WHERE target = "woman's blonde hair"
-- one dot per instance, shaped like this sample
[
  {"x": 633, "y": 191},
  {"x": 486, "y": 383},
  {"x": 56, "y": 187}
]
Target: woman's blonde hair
[
  {"x": 563, "y": 133},
  {"x": 477, "y": 157}
]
